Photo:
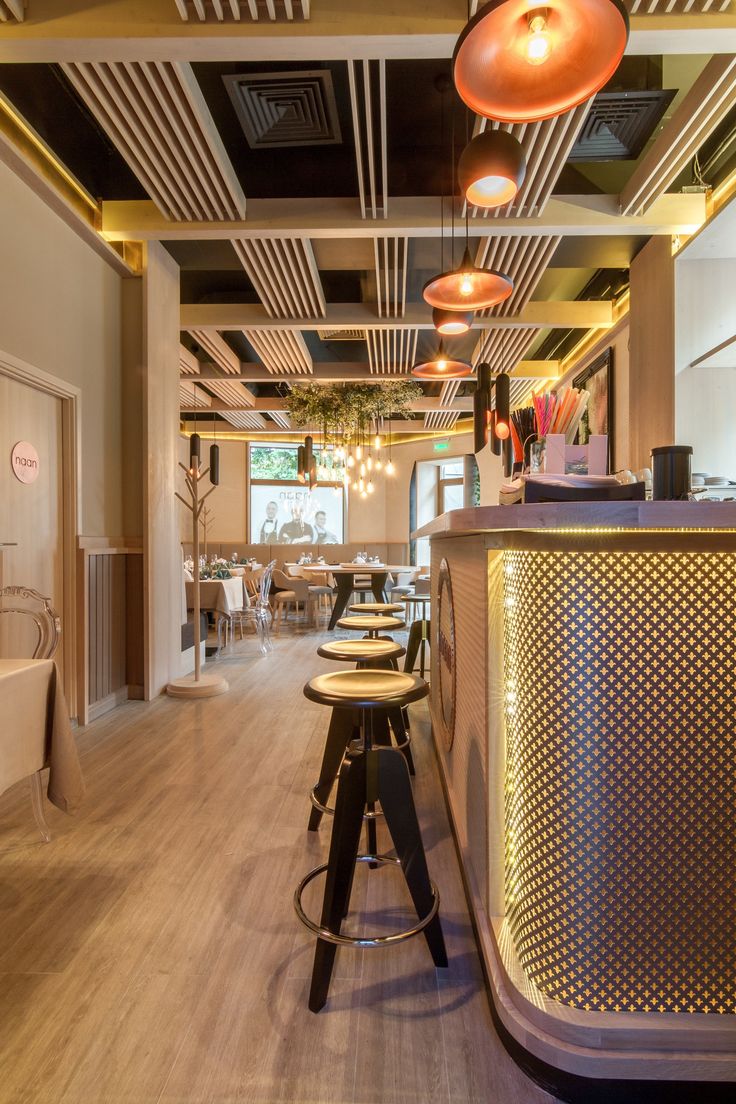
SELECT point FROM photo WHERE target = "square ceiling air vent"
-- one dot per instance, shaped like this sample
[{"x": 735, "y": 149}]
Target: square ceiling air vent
[
  {"x": 286, "y": 109},
  {"x": 341, "y": 335},
  {"x": 619, "y": 125}
]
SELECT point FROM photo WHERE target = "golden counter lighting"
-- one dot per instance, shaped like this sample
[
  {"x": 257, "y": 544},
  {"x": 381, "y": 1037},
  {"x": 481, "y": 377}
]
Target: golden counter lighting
[{"x": 588, "y": 755}]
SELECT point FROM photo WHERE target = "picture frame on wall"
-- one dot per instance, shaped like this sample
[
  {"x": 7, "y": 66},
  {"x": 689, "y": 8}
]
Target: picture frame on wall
[{"x": 597, "y": 378}]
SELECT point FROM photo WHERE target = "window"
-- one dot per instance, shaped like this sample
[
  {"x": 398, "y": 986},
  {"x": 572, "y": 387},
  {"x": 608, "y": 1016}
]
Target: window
[
  {"x": 282, "y": 510},
  {"x": 450, "y": 487}
]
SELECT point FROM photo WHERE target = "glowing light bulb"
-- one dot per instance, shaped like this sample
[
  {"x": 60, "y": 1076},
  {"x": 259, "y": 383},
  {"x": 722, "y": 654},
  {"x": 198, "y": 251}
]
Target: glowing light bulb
[
  {"x": 361, "y": 484},
  {"x": 363, "y": 494},
  {"x": 538, "y": 44},
  {"x": 502, "y": 430},
  {"x": 390, "y": 469},
  {"x": 466, "y": 285},
  {"x": 351, "y": 461},
  {"x": 442, "y": 364},
  {"x": 379, "y": 465},
  {"x": 359, "y": 452},
  {"x": 355, "y": 486},
  {"x": 370, "y": 487},
  {"x": 362, "y": 469},
  {"x": 377, "y": 442},
  {"x": 369, "y": 463}
]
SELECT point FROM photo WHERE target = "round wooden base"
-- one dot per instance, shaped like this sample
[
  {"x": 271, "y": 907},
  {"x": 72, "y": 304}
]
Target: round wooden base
[{"x": 208, "y": 686}]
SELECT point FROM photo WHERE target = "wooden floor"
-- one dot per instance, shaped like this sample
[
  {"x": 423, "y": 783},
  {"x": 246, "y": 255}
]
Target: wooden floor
[{"x": 150, "y": 953}]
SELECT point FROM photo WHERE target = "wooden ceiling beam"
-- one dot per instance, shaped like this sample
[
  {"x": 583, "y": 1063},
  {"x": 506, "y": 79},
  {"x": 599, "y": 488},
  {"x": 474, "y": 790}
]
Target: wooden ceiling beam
[
  {"x": 349, "y": 371},
  {"x": 573, "y": 314},
  {"x": 416, "y": 217},
  {"x": 152, "y": 30}
]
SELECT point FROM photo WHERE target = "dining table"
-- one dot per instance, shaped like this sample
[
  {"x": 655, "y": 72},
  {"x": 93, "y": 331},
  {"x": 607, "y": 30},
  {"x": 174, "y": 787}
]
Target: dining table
[
  {"x": 36, "y": 733},
  {"x": 220, "y": 597},
  {"x": 344, "y": 575}
]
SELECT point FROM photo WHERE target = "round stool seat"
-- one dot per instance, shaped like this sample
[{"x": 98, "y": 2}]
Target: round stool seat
[
  {"x": 370, "y": 622},
  {"x": 355, "y": 650},
  {"x": 366, "y": 689},
  {"x": 416, "y": 599},
  {"x": 376, "y": 607}
]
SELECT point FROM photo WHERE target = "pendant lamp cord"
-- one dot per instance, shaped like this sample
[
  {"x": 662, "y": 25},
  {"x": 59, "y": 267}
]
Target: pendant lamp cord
[
  {"x": 454, "y": 180},
  {"x": 467, "y": 205},
  {"x": 443, "y": 181}
]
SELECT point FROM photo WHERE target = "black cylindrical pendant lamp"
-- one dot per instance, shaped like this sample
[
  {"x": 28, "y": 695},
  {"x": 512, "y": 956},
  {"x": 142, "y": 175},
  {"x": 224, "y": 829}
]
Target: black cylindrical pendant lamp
[
  {"x": 300, "y": 468},
  {"x": 214, "y": 465},
  {"x": 481, "y": 411},
  {"x": 194, "y": 448},
  {"x": 491, "y": 169},
  {"x": 502, "y": 427},
  {"x": 483, "y": 374}
]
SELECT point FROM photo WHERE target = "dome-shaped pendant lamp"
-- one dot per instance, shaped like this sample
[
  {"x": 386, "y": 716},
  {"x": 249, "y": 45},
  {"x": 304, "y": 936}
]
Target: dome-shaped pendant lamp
[
  {"x": 491, "y": 169},
  {"x": 450, "y": 322},
  {"x": 518, "y": 63},
  {"x": 441, "y": 367},
  {"x": 467, "y": 287}
]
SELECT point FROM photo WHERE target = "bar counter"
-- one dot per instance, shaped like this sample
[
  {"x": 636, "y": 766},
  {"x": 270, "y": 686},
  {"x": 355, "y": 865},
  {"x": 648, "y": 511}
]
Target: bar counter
[{"x": 583, "y": 708}]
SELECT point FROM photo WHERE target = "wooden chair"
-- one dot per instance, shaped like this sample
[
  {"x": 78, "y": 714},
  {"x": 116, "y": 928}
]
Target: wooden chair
[
  {"x": 291, "y": 593},
  {"x": 32, "y": 606}
]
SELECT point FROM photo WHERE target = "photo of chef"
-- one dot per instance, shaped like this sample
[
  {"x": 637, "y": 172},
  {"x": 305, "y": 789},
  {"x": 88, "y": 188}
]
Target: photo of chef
[{"x": 294, "y": 515}]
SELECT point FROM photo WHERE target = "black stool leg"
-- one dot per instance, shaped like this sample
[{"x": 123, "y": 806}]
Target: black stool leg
[
  {"x": 349, "y": 808},
  {"x": 401, "y": 732},
  {"x": 412, "y": 646},
  {"x": 370, "y": 799},
  {"x": 397, "y": 802},
  {"x": 339, "y": 735}
]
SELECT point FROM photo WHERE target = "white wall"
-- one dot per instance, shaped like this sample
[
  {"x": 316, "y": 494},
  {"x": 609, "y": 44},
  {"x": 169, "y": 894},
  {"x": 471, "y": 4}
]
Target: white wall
[
  {"x": 705, "y": 304},
  {"x": 60, "y": 310},
  {"x": 705, "y": 416}
]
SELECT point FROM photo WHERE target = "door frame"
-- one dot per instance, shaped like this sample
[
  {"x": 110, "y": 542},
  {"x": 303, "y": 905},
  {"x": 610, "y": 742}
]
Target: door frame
[{"x": 21, "y": 371}]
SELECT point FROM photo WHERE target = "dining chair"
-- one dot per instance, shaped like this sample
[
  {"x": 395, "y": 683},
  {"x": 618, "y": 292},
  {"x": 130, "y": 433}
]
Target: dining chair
[
  {"x": 256, "y": 609},
  {"x": 290, "y": 592},
  {"x": 31, "y": 605}
]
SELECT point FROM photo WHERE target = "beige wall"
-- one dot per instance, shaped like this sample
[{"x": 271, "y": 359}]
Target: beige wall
[
  {"x": 60, "y": 310},
  {"x": 228, "y": 503}
]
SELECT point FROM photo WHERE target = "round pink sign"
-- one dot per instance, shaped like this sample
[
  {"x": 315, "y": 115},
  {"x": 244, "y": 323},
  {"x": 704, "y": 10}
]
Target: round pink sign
[{"x": 24, "y": 462}]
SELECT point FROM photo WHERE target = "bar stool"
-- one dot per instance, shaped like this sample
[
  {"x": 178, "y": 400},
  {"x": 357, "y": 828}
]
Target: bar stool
[
  {"x": 418, "y": 631},
  {"x": 376, "y": 607},
  {"x": 368, "y": 654},
  {"x": 369, "y": 774},
  {"x": 371, "y": 623}
]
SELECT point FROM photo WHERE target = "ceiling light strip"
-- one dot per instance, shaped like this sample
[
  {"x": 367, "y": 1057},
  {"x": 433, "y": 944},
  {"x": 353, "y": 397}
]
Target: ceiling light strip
[
  {"x": 703, "y": 108},
  {"x": 218, "y": 350}
]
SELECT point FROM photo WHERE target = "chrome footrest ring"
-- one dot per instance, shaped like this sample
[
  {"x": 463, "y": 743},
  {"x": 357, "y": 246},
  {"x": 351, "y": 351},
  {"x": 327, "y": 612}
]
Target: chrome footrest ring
[
  {"x": 362, "y": 941},
  {"x": 331, "y": 812}
]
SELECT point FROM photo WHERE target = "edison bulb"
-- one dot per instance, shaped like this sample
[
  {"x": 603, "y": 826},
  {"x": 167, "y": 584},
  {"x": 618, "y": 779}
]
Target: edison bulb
[
  {"x": 377, "y": 442},
  {"x": 466, "y": 286},
  {"x": 369, "y": 463},
  {"x": 359, "y": 452},
  {"x": 441, "y": 364},
  {"x": 361, "y": 484},
  {"x": 362, "y": 469},
  {"x": 351, "y": 460},
  {"x": 379, "y": 465},
  {"x": 355, "y": 486},
  {"x": 538, "y": 45},
  {"x": 390, "y": 469},
  {"x": 363, "y": 494},
  {"x": 370, "y": 487}
]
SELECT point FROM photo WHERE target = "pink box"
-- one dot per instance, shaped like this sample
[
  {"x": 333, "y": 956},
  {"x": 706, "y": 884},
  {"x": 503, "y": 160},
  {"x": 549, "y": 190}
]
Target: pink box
[{"x": 564, "y": 459}]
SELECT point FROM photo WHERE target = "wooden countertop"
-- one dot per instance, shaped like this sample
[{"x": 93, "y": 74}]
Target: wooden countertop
[{"x": 583, "y": 516}]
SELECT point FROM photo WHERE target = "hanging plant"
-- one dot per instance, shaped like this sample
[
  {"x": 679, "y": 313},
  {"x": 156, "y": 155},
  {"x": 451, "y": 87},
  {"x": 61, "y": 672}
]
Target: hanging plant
[{"x": 349, "y": 408}]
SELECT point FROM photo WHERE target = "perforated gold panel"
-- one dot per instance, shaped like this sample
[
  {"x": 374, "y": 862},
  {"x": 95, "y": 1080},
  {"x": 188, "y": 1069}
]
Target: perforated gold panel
[{"x": 620, "y": 676}]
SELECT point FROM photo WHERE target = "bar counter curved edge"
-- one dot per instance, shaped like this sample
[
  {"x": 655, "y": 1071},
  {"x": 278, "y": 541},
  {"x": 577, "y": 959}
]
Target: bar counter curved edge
[{"x": 583, "y": 710}]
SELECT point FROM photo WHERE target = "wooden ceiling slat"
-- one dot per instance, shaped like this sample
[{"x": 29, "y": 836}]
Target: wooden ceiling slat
[
  {"x": 706, "y": 104},
  {"x": 285, "y": 275},
  {"x": 157, "y": 117},
  {"x": 392, "y": 351},
  {"x": 283, "y": 352},
  {"x": 218, "y": 350},
  {"x": 208, "y": 11},
  {"x": 188, "y": 363},
  {"x": 391, "y": 256}
]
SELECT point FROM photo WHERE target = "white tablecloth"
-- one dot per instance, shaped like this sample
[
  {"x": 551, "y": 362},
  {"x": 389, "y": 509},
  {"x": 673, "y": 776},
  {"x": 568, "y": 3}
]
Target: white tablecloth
[
  {"x": 35, "y": 730},
  {"x": 219, "y": 595}
]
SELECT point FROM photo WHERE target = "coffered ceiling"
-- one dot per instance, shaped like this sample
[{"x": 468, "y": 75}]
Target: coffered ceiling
[{"x": 296, "y": 159}]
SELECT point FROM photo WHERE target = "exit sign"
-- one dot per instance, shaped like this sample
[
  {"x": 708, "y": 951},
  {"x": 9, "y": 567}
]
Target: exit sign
[{"x": 441, "y": 446}]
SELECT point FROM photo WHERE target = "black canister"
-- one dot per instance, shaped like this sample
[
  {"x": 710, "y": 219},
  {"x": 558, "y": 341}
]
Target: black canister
[{"x": 671, "y": 471}]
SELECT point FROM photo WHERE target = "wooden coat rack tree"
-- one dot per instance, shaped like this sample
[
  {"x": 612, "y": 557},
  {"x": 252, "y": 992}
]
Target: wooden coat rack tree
[{"x": 198, "y": 684}]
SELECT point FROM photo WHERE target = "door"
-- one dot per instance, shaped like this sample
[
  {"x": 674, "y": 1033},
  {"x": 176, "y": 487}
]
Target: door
[{"x": 31, "y": 513}]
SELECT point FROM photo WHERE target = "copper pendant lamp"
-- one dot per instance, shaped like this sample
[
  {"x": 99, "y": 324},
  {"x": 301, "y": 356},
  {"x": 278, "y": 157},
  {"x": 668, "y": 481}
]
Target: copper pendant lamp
[
  {"x": 491, "y": 169},
  {"x": 467, "y": 287},
  {"x": 441, "y": 367},
  {"x": 451, "y": 323},
  {"x": 518, "y": 63}
]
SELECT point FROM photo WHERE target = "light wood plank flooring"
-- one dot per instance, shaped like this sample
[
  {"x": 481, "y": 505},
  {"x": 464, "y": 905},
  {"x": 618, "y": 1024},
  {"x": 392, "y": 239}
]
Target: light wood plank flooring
[{"x": 150, "y": 953}]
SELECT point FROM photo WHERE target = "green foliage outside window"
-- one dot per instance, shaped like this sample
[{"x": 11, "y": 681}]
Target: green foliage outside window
[{"x": 270, "y": 462}]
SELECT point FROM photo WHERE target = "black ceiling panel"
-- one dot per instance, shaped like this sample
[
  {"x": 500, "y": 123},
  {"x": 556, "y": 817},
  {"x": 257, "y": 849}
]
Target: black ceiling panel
[
  {"x": 44, "y": 97},
  {"x": 419, "y": 145},
  {"x": 216, "y": 287},
  {"x": 296, "y": 171}
]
